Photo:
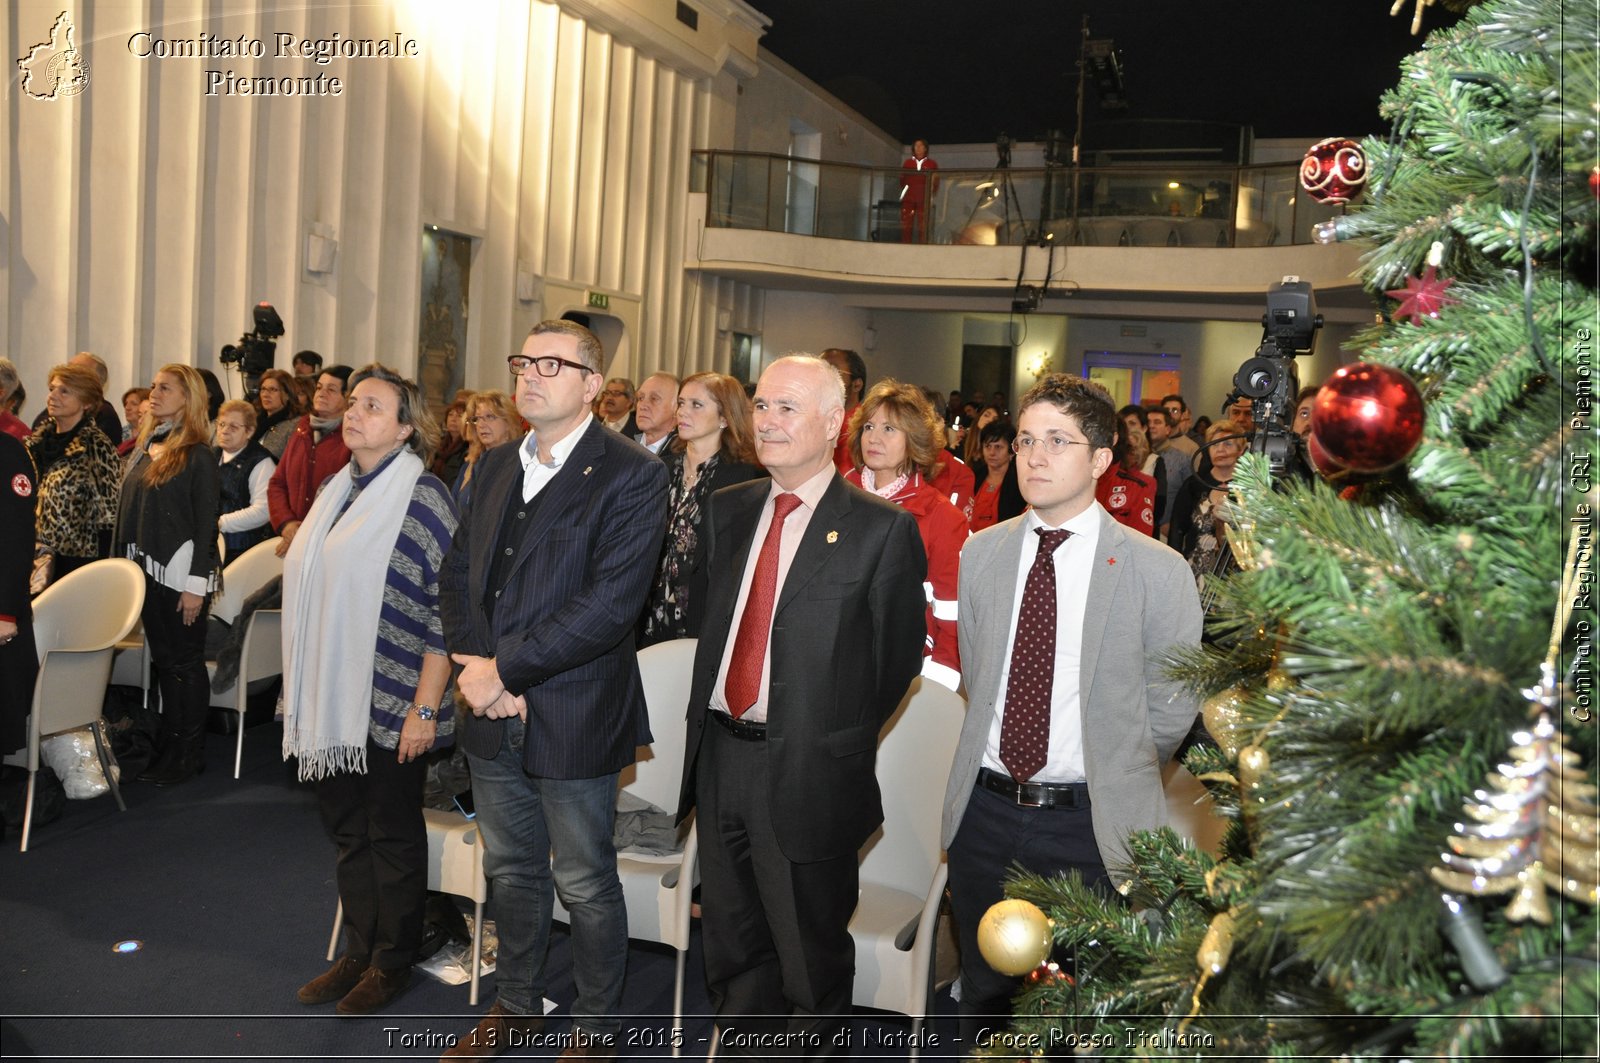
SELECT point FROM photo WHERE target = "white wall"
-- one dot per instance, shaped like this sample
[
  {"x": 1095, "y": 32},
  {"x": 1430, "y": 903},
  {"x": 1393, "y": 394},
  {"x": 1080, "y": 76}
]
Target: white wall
[
  {"x": 808, "y": 322},
  {"x": 144, "y": 218}
]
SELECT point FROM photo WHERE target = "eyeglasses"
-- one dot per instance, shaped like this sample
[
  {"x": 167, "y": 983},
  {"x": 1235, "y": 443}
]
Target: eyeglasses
[
  {"x": 612, "y": 393},
  {"x": 487, "y": 416},
  {"x": 1052, "y": 444},
  {"x": 549, "y": 365}
]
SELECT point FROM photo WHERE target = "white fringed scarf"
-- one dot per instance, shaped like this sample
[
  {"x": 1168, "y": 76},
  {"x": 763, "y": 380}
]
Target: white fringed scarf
[{"x": 333, "y": 581}]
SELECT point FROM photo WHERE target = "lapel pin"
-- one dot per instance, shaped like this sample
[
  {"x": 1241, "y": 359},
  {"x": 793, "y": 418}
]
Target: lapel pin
[
  {"x": 587, "y": 469},
  {"x": 1111, "y": 560},
  {"x": 833, "y": 537}
]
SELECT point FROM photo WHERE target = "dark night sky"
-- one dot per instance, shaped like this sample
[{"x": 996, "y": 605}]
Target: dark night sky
[{"x": 959, "y": 72}]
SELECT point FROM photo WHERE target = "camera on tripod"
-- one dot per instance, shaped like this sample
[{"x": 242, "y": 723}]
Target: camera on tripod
[
  {"x": 1268, "y": 378},
  {"x": 255, "y": 351}
]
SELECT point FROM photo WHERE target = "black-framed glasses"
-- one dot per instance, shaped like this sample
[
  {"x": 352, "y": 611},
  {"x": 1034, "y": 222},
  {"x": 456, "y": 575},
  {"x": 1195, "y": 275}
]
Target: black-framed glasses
[
  {"x": 549, "y": 365},
  {"x": 1052, "y": 444}
]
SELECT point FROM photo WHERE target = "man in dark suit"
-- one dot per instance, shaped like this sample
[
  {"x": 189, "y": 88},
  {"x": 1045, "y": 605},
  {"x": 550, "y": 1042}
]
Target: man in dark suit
[
  {"x": 813, "y": 630},
  {"x": 541, "y": 591}
]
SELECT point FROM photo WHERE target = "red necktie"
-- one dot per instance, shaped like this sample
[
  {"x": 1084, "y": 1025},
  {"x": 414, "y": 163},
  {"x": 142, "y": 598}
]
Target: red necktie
[
  {"x": 1025, "y": 729},
  {"x": 750, "y": 645}
]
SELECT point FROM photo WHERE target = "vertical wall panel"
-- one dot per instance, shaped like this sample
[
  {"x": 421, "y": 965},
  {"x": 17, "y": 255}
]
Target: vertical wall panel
[
  {"x": 357, "y": 196},
  {"x": 642, "y": 157},
  {"x": 591, "y": 146},
  {"x": 537, "y": 135},
  {"x": 497, "y": 320},
  {"x": 617, "y": 212},
  {"x": 566, "y": 138}
]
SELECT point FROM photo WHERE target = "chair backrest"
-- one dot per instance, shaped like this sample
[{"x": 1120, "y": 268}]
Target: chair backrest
[
  {"x": 915, "y": 752},
  {"x": 666, "y": 669},
  {"x": 89, "y": 608},
  {"x": 245, "y": 575},
  {"x": 76, "y": 623}
]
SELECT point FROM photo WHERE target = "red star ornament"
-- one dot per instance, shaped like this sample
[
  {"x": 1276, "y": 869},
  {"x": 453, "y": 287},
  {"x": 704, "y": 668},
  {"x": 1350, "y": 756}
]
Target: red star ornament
[{"x": 1422, "y": 297}]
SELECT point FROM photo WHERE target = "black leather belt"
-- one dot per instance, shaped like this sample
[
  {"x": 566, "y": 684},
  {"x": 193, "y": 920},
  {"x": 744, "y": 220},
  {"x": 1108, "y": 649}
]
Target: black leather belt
[
  {"x": 1035, "y": 794},
  {"x": 744, "y": 730}
]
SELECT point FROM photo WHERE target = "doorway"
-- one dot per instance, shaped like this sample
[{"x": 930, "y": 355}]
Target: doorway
[{"x": 986, "y": 368}]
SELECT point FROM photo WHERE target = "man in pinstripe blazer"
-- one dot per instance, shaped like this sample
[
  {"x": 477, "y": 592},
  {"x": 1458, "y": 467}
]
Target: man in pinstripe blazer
[{"x": 541, "y": 591}]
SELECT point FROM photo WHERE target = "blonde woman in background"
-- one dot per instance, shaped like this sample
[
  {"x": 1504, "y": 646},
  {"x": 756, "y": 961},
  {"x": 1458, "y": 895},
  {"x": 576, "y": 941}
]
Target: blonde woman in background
[
  {"x": 167, "y": 523},
  {"x": 493, "y": 419}
]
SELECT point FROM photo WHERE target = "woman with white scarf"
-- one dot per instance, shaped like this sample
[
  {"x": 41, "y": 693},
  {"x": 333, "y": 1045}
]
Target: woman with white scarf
[
  {"x": 895, "y": 439},
  {"x": 365, "y": 677}
]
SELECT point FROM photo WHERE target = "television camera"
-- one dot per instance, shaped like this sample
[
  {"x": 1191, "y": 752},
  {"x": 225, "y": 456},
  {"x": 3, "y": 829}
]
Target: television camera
[
  {"x": 1268, "y": 378},
  {"x": 255, "y": 352}
]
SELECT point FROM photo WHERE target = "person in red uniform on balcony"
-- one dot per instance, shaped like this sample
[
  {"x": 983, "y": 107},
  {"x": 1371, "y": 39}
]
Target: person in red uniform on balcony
[
  {"x": 894, "y": 436},
  {"x": 916, "y": 189}
]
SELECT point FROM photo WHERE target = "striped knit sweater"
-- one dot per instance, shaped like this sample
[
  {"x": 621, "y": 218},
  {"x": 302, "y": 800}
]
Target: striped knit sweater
[{"x": 409, "y": 626}]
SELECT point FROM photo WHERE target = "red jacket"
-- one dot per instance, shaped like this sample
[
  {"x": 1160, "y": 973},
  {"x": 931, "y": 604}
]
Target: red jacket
[
  {"x": 944, "y": 530},
  {"x": 304, "y": 467},
  {"x": 1130, "y": 497},
  {"x": 954, "y": 481}
]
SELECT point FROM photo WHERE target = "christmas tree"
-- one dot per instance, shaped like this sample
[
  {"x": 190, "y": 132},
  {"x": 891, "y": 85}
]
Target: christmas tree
[{"x": 1400, "y": 682}]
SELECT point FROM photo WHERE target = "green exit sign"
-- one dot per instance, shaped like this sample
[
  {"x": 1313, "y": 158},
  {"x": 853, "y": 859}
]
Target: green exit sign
[{"x": 599, "y": 300}]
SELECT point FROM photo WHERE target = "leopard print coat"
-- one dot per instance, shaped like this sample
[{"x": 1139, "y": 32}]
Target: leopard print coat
[{"x": 77, "y": 496}]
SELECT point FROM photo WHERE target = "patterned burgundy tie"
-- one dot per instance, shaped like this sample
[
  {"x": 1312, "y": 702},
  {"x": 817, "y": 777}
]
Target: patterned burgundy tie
[
  {"x": 750, "y": 645},
  {"x": 1025, "y": 729}
]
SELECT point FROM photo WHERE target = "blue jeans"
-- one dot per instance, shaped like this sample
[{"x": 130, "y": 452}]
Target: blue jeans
[{"x": 545, "y": 836}]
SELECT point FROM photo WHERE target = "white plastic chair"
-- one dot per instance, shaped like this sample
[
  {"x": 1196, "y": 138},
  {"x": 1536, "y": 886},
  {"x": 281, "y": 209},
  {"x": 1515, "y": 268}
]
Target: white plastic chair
[
  {"x": 455, "y": 866},
  {"x": 903, "y": 869},
  {"x": 657, "y": 888},
  {"x": 1156, "y": 232},
  {"x": 261, "y": 654},
  {"x": 77, "y": 623}
]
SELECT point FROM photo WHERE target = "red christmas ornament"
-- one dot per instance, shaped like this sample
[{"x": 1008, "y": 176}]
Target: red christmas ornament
[
  {"x": 1422, "y": 296},
  {"x": 1594, "y": 181},
  {"x": 1320, "y": 461},
  {"x": 1367, "y": 417},
  {"x": 1334, "y": 170}
]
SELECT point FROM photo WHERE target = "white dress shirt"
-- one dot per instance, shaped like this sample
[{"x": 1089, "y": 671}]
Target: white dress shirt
[
  {"x": 1074, "y": 562},
  {"x": 535, "y": 473}
]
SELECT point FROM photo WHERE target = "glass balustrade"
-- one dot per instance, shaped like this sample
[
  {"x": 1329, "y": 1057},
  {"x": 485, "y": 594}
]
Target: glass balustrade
[{"x": 1146, "y": 206}]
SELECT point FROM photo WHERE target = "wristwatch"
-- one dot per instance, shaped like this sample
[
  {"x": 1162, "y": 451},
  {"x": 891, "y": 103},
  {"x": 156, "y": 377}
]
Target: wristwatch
[{"x": 425, "y": 712}]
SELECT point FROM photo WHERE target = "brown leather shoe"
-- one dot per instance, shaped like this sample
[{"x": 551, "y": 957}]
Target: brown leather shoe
[
  {"x": 586, "y": 1045},
  {"x": 332, "y": 984},
  {"x": 497, "y": 1031},
  {"x": 377, "y": 987}
]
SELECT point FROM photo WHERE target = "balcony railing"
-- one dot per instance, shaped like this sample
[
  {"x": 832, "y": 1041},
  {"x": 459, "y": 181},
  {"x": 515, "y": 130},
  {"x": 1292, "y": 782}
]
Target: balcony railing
[{"x": 1147, "y": 206}]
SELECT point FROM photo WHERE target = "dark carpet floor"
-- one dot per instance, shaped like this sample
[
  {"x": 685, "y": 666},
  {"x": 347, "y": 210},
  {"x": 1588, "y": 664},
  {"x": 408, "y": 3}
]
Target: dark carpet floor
[{"x": 228, "y": 886}]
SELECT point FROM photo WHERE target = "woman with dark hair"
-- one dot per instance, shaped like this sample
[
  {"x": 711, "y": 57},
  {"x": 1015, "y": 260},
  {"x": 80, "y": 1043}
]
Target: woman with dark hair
[
  {"x": 77, "y": 477},
  {"x": 995, "y": 494},
  {"x": 167, "y": 523},
  {"x": 895, "y": 438},
  {"x": 452, "y": 452},
  {"x": 215, "y": 396},
  {"x": 278, "y": 401},
  {"x": 972, "y": 452},
  {"x": 365, "y": 677},
  {"x": 715, "y": 447}
]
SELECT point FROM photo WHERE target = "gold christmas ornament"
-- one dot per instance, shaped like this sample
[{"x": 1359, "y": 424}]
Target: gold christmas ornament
[
  {"x": 1253, "y": 764},
  {"x": 1279, "y": 681},
  {"x": 1014, "y": 937},
  {"x": 1217, "y": 945},
  {"x": 1224, "y": 719},
  {"x": 1536, "y": 827}
]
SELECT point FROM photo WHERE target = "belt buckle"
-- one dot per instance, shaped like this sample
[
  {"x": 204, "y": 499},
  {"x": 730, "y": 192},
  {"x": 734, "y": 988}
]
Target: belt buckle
[{"x": 1022, "y": 798}]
